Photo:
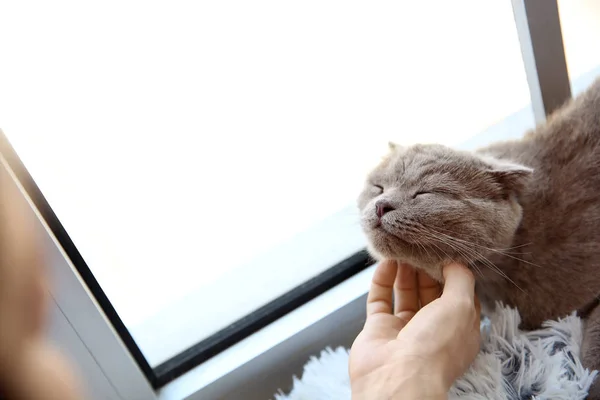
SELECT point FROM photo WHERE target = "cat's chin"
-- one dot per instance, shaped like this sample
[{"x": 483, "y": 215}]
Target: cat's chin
[{"x": 432, "y": 269}]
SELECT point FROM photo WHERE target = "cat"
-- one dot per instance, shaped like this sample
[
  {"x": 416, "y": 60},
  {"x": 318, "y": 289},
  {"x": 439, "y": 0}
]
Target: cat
[{"x": 524, "y": 215}]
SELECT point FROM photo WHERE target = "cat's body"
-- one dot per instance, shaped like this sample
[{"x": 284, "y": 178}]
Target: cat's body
[
  {"x": 556, "y": 248},
  {"x": 524, "y": 215}
]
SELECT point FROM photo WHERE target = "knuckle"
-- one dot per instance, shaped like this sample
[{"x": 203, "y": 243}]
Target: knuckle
[{"x": 464, "y": 305}]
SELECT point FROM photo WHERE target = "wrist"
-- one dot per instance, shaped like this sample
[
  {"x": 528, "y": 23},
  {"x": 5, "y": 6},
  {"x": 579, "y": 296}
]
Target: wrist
[{"x": 398, "y": 382}]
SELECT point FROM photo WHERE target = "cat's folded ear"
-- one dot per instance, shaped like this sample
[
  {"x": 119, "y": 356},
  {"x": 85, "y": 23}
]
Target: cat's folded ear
[
  {"x": 394, "y": 146},
  {"x": 512, "y": 176}
]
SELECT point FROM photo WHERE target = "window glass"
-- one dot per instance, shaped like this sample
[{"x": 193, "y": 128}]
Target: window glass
[{"x": 580, "y": 25}]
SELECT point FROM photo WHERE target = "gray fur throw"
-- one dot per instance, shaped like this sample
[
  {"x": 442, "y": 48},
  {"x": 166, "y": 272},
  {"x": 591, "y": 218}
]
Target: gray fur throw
[{"x": 512, "y": 364}]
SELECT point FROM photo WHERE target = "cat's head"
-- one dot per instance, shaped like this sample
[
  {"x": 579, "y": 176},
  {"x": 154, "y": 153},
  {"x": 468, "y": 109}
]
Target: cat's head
[{"x": 429, "y": 204}]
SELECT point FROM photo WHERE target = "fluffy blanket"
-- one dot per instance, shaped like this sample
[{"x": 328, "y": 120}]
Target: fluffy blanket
[{"x": 512, "y": 364}]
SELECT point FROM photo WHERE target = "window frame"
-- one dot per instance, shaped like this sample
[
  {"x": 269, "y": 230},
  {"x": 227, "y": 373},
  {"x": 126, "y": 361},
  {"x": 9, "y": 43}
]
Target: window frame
[{"x": 90, "y": 313}]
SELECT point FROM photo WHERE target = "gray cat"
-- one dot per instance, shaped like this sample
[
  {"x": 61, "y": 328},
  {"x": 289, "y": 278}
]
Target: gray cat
[{"x": 523, "y": 215}]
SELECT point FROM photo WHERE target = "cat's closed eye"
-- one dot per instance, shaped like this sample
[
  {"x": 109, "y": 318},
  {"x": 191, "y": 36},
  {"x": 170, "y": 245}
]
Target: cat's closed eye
[
  {"x": 378, "y": 189},
  {"x": 421, "y": 193},
  {"x": 434, "y": 192}
]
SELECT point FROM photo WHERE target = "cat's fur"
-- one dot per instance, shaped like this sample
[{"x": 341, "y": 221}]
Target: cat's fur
[{"x": 524, "y": 215}]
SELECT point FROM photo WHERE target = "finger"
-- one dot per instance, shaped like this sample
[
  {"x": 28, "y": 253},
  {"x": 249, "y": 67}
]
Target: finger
[
  {"x": 406, "y": 293},
  {"x": 429, "y": 289},
  {"x": 379, "y": 299},
  {"x": 458, "y": 282}
]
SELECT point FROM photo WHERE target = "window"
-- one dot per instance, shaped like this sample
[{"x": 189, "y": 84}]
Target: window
[
  {"x": 580, "y": 23},
  {"x": 203, "y": 159}
]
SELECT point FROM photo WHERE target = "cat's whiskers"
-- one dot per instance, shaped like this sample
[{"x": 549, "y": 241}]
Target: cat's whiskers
[
  {"x": 420, "y": 245},
  {"x": 465, "y": 252},
  {"x": 424, "y": 248},
  {"x": 461, "y": 252},
  {"x": 516, "y": 247},
  {"x": 500, "y": 250},
  {"x": 442, "y": 250},
  {"x": 490, "y": 249},
  {"x": 478, "y": 256},
  {"x": 456, "y": 245},
  {"x": 433, "y": 238},
  {"x": 473, "y": 252}
]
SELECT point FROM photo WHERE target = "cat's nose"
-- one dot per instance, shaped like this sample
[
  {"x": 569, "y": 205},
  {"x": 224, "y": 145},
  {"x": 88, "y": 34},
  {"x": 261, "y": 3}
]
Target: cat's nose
[{"x": 383, "y": 207}]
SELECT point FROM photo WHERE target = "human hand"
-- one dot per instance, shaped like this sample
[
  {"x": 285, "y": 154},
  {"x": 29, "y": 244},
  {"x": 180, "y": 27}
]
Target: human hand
[
  {"x": 421, "y": 346},
  {"x": 30, "y": 368}
]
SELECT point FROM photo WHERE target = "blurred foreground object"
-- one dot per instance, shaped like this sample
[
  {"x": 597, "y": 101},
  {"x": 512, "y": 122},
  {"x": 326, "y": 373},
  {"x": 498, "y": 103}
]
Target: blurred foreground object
[{"x": 30, "y": 368}]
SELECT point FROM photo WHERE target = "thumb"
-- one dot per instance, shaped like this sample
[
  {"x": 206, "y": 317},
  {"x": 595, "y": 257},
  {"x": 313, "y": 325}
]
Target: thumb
[{"x": 458, "y": 282}]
